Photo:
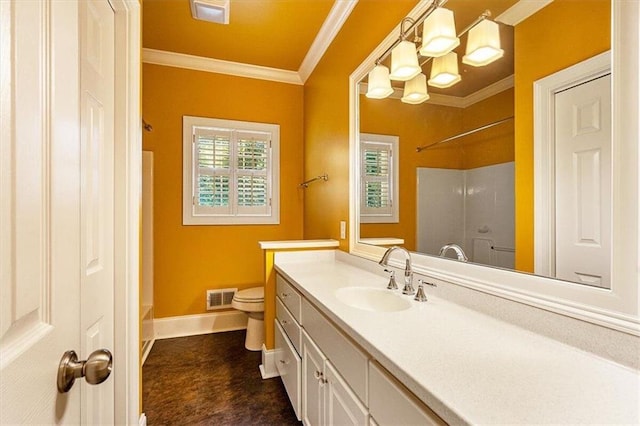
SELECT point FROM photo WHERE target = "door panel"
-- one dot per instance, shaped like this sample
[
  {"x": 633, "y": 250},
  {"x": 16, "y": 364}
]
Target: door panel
[
  {"x": 583, "y": 183},
  {"x": 39, "y": 210}
]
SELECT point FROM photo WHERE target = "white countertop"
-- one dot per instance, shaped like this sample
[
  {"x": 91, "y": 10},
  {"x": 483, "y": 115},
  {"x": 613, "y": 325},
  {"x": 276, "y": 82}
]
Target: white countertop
[{"x": 466, "y": 366}]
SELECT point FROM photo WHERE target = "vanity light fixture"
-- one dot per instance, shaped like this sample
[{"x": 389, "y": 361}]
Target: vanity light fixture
[
  {"x": 404, "y": 58},
  {"x": 483, "y": 47},
  {"x": 216, "y": 11},
  {"x": 378, "y": 83},
  {"x": 444, "y": 71},
  {"x": 439, "y": 33},
  {"x": 415, "y": 90},
  {"x": 483, "y": 44}
]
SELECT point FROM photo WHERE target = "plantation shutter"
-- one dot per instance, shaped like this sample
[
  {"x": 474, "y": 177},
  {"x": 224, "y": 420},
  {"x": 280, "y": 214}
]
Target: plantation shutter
[
  {"x": 252, "y": 173},
  {"x": 213, "y": 185},
  {"x": 376, "y": 179},
  {"x": 232, "y": 173}
]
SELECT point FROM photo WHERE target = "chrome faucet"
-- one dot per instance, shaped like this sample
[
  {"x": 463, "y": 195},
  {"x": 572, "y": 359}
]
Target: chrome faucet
[
  {"x": 408, "y": 273},
  {"x": 459, "y": 252}
]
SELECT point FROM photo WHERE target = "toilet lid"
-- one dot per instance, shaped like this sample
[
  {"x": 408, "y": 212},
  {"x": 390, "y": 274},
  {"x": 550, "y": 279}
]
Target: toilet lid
[{"x": 254, "y": 294}]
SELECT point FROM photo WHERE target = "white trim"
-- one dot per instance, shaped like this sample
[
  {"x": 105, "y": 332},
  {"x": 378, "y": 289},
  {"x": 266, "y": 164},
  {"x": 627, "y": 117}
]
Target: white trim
[
  {"x": 268, "y": 367},
  {"x": 146, "y": 350},
  {"x": 193, "y": 325},
  {"x": 544, "y": 91},
  {"x": 337, "y": 16},
  {"x": 521, "y": 11},
  {"x": 143, "y": 420},
  {"x": 200, "y": 63},
  {"x": 298, "y": 244},
  {"x": 455, "y": 101},
  {"x": 128, "y": 175},
  {"x": 617, "y": 309}
]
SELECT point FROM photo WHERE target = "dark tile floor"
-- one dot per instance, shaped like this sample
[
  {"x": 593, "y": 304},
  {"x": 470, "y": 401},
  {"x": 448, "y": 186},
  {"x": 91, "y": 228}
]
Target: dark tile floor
[{"x": 211, "y": 380}]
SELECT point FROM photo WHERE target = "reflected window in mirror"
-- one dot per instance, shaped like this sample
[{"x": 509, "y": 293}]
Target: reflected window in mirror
[{"x": 379, "y": 179}]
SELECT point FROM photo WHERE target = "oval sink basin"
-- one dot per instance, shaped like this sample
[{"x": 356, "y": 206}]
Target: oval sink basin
[{"x": 372, "y": 299}]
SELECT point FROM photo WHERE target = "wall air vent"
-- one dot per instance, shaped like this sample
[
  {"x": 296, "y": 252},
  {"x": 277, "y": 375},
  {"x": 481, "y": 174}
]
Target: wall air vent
[{"x": 220, "y": 299}]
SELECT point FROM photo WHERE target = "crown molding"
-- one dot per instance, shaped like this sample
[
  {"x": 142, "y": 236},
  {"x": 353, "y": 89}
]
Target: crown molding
[
  {"x": 489, "y": 91},
  {"x": 337, "y": 16},
  {"x": 521, "y": 11},
  {"x": 455, "y": 101},
  {"x": 199, "y": 63}
]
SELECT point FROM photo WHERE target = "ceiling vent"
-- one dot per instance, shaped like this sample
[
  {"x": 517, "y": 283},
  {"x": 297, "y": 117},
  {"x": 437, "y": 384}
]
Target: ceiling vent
[{"x": 216, "y": 11}]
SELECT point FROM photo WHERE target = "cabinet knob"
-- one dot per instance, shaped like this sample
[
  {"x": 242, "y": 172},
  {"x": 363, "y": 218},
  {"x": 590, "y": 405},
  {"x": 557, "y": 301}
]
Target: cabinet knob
[
  {"x": 285, "y": 295},
  {"x": 284, "y": 322}
]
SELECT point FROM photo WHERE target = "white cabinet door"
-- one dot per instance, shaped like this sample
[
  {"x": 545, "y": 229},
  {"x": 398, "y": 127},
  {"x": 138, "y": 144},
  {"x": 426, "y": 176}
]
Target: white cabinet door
[
  {"x": 312, "y": 382},
  {"x": 342, "y": 406}
]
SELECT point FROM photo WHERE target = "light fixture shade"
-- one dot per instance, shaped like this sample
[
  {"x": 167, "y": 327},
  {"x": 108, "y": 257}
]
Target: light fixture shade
[
  {"x": 378, "y": 83},
  {"x": 404, "y": 61},
  {"x": 415, "y": 90},
  {"x": 483, "y": 44},
  {"x": 439, "y": 33},
  {"x": 444, "y": 71}
]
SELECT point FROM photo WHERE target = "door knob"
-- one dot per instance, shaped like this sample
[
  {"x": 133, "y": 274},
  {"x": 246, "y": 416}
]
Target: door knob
[{"x": 95, "y": 369}]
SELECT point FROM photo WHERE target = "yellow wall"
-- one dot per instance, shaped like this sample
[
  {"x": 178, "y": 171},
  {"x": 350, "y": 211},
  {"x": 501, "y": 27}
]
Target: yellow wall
[
  {"x": 424, "y": 124},
  {"x": 191, "y": 259},
  {"x": 326, "y": 114},
  {"x": 560, "y": 35}
]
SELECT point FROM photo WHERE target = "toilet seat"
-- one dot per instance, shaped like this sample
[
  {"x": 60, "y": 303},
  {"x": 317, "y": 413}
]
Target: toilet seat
[{"x": 249, "y": 300}]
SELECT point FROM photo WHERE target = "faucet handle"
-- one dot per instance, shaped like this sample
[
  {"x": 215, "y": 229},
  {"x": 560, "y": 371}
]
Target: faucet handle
[
  {"x": 392, "y": 280},
  {"x": 420, "y": 296}
]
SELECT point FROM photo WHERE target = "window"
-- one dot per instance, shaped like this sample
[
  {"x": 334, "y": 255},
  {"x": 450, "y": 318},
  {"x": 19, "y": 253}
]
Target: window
[
  {"x": 379, "y": 178},
  {"x": 230, "y": 172}
]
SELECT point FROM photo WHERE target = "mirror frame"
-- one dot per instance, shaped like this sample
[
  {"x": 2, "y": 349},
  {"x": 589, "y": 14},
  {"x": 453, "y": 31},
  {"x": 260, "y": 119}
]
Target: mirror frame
[{"x": 616, "y": 308}]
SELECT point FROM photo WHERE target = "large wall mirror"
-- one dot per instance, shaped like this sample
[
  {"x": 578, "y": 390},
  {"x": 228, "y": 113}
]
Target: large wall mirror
[{"x": 515, "y": 166}]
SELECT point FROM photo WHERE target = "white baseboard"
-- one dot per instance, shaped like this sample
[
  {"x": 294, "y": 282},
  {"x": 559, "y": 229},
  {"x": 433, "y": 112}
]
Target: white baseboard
[
  {"x": 146, "y": 349},
  {"x": 193, "y": 325},
  {"x": 268, "y": 367},
  {"x": 143, "y": 420}
]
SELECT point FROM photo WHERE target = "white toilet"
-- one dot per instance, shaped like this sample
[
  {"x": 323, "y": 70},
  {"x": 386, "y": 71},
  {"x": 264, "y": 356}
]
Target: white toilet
[{"x": 251, "y": 301}]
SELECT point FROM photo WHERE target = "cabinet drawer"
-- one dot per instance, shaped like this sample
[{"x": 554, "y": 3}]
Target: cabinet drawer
[
  {"x": 390, "y": 403},
  {"x": 288, "y": 365},
  {"x": 289, "y": 296},
  {"x": 349, "y": 360},
  {"x": 288, "y": 324}
]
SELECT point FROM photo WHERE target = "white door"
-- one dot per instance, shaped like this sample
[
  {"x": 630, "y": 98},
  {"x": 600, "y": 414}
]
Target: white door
[
  {"x": 97, "y": 80},
  {"x": 583, "y": 183},
  {"x": 50, "y": 247}
]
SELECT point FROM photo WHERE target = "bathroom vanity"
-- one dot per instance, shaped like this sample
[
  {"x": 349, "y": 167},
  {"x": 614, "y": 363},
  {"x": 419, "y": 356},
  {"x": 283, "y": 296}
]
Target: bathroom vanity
[{"x": 351, "y": 352}]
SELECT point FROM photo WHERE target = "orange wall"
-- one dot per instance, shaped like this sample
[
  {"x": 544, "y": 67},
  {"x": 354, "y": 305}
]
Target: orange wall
[
  {"x": 560, "y": 35},
  {"x": 424, "y": 124},
  {"x": 191, "y": 259},
  {"x": 326, "y": 114}
]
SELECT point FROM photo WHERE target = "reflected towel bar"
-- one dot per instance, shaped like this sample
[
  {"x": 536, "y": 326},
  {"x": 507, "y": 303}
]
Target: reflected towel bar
[
  {"x": 507, "y": 249},
  {"x": 306, "y": 183},
  {"x": 470, "y": 132}
]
